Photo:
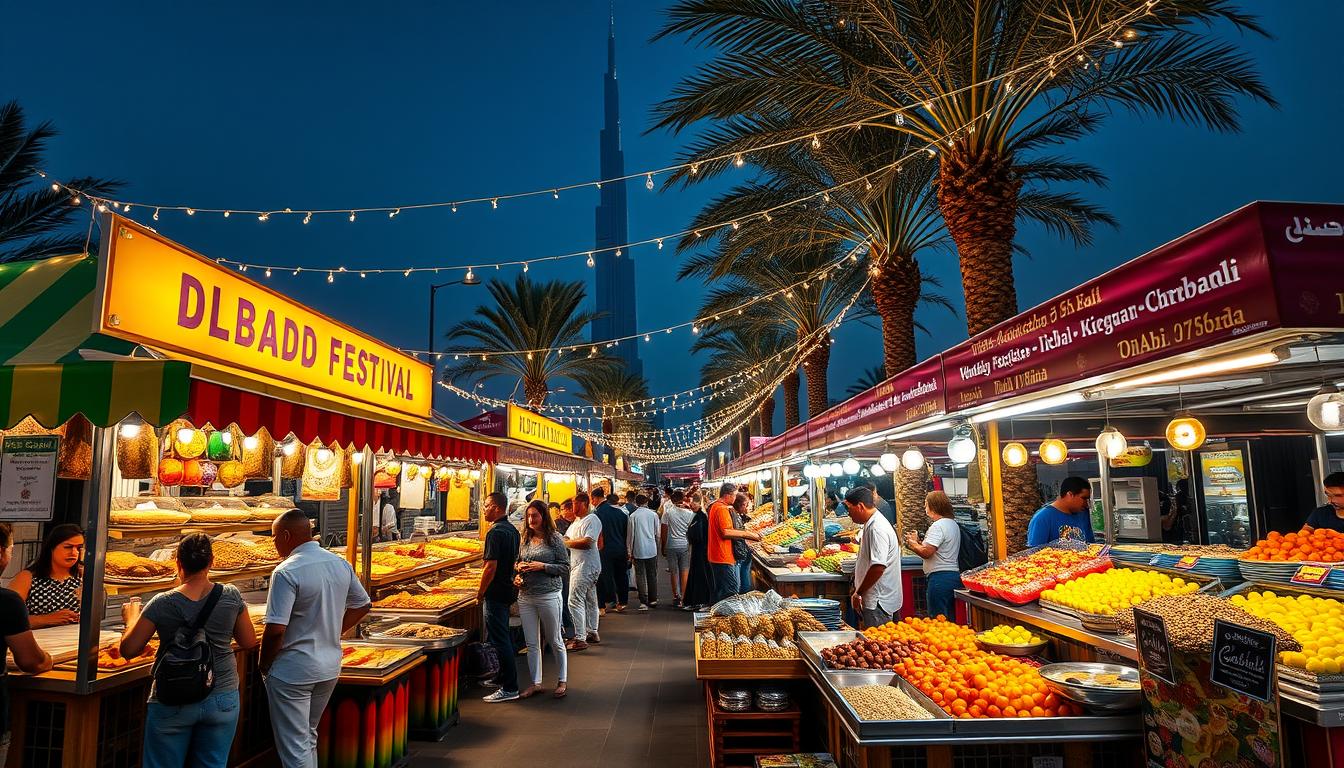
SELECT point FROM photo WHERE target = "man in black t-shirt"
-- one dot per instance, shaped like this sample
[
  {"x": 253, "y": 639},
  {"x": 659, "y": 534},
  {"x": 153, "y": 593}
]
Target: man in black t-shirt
[
  {"x": 614, "y": 584},
  {"x": 15, "y": 638},
  {"x": 497, "y": 592},
  {"x": 1331, "y": 515}
]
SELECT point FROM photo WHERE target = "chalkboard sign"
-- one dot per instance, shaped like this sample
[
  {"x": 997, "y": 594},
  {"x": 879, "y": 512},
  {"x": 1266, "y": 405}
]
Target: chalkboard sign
[
  {"x": 1243, "y": 659},
  {"x": 1154, "y": 647}
]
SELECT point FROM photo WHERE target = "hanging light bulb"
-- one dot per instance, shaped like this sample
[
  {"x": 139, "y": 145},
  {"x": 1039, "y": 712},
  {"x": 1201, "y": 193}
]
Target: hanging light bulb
[
  {"x": 250, "y": 443},
  {"x": 912, "y": 459},
  {"x": 1054, "y": 451},
  {"x": 851, "y": 466},
  {"x": 590, "y": 259},
  {"x": 888, "y": 461},
  {"x": 1325, "y": 410},
  {"x": 809, "y": 471},
  {"x": 876, "y": 470},
  {"x": 816, "y": 142},
  {"x": 961, "y": 448},
  {"x": 357, "y": 458},
  {"x": 739, "y": 161},
  {"x": 1185, "y": 432},
  {"x": 291, "y": 445},
  {"x": 836, "y": 469},
  {"x": 323, "y": 455},
  {"x": 763, "y": 476},
  {"x": 1015, "y": 454},
  {"x": 129, "y": 430},
  {"x": 186, "y": 435},
  {"x": 648, "y": 182},
  {"x": 1110, "y": 443}
]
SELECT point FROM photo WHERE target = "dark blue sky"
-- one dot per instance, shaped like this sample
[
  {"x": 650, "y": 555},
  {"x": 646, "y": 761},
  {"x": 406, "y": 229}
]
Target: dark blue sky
[{"x": 315, "y": 105}]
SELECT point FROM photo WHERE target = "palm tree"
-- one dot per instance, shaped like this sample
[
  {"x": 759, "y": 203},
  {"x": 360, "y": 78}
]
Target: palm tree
[
  {"x": 747, "y": 347},
  {"x": 606, "y": 388},
  {"x": 33, "y": 222},
  {"x": 989, "y": 84},
  {"x": 870, "y": 378},
  {"x": 520, "y": 335}
]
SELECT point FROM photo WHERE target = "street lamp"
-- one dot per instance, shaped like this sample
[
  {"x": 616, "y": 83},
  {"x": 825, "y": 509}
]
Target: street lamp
[{"x": 470, "y": 279}]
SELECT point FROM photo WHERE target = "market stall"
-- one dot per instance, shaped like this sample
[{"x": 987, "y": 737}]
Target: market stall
[{"x": 150, "y": 449}]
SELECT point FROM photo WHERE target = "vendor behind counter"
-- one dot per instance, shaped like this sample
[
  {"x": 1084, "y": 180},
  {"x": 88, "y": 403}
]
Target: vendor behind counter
[
  {"x": 1331, "y": 514},
  {"x": 51, "y": 587}
]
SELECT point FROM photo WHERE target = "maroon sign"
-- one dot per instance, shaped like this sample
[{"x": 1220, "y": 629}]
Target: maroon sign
[
  {"x": 493, "y": 423},
  {"x": 1207, "y": 287},
  {"x": 907, "y": 397},
  {"x": 1306, "y": 250}
]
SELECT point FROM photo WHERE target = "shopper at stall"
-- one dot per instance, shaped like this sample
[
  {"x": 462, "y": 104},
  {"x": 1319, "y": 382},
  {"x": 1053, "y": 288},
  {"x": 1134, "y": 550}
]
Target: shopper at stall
[
  {"x": 15, "y": 637},
  {"x": 50, "y": 588},
  {"x": 642, "y": 542},
  {"x": 314, "y": 598},
  {"x": 204, "y": 729},
  {"x": 722, "y": 533},
  {"x": 673, "y": 544},
  {"x": 940, "y": 549},
  {"x": 877, "y": 595},
  {"x": 1067, "y": 517},
  {"x": 700, "y": 585},
  {"x": 497, "y": 593},
  {"x": 631, "y": 501},
  {"x": 388, "y": 527},
  {"x": 1331, "y": 514},
  {"x": 741, "y": 552},
  {"x": 584, "y": 540},
  {"x": 614, "y": 588},
  {"x": 542, "y": 562}
]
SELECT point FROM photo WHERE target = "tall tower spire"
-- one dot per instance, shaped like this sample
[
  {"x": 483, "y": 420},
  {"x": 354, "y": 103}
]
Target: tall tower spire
[{"x": 615, "y": 275}]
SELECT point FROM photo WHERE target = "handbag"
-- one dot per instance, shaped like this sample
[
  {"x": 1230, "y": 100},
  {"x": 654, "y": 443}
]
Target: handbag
[
  {"x": 184, "y": 672},
  {"x": 482, "y": 660}
]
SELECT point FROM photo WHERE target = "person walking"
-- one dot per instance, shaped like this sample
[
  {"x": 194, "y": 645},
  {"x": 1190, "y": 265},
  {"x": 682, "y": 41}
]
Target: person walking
[
  {"x": 497, "y": 593},
  {"x": 631, "y": 501},
  {"x": 877, "y": 593},
  {"x": 614, "y": 589},
  {"x": 314, "y": 598},
  {"x": 673, "y": 543},
  {"x": 642, "y": 541},
  {"x": 584, "y": 540},
  {"x": 542, "y": 562},
  {"x": 723, "y": 559},
  {"x": 15, "y": 637},
  {"x": 203, "y": 729},
  {"x": 940, "y": 551}
]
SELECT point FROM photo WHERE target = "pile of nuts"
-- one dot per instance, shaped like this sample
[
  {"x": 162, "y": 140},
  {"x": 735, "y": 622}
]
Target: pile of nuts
[
  {"x": 1189, "y": 620},
  {"x": 883, "y": 702},
  {"x": 863, "y": 653}
]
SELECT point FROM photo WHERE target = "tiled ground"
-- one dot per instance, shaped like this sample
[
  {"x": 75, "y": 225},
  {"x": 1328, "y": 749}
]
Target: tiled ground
[{"x": 633, "y": 700}]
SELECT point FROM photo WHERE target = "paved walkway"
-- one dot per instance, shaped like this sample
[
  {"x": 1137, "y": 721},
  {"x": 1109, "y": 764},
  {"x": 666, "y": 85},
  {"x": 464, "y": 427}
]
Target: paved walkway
[{"x": 633, "y": 700}]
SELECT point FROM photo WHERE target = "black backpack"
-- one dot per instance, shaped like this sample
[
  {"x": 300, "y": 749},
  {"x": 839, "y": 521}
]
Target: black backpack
[
  {"x": 972, "y": 553},
  {"x": 184, "y": 672}
]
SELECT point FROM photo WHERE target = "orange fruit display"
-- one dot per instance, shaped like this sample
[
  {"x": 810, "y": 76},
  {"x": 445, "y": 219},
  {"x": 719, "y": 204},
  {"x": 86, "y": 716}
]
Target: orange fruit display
[{"x": 1320, "y": 545}]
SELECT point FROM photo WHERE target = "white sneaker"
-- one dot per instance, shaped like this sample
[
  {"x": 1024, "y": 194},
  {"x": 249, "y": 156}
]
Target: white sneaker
[
  {"x": 500, "y": 696},
  {"x": 643, "y": 607}
]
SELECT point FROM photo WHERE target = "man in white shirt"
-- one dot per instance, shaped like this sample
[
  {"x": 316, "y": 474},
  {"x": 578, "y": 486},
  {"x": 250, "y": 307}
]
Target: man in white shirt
[
  {"x": 584, "y": 539},
  {"x": 642, "y": 544},
  {"x": 877, "y": 574},
  {"x": 674, "y": 546}
]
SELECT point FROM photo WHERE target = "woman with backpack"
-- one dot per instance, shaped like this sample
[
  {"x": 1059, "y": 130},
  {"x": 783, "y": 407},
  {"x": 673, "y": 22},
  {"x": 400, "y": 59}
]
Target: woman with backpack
[
  {"x": 940, "y": 550},
  {"x": 193, "y": 701}
]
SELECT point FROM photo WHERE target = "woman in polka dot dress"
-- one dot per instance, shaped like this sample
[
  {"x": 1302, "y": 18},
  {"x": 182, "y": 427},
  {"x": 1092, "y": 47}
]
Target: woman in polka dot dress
[{"x": 51, "y": 586}]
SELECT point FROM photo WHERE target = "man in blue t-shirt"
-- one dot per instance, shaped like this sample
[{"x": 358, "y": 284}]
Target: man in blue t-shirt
[{"x": 1067, "y": 517}]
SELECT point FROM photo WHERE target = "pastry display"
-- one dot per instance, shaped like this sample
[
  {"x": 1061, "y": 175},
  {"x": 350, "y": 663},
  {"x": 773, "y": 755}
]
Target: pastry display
[
  {"x": 424, "y": 602},
  {"x": 230, "y": 555},
  {"x": 128, "y": 566},
  {"x": 373, "y": 657},
  {"x": 422, "y": 631},
  {"x": 150, "y": 516},
  {"x": 220, "y": 515},
  {"x": 110, "y": 658}
]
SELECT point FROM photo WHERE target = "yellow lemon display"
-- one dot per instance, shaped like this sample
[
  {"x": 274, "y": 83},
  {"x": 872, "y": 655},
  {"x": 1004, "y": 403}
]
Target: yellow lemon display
[
  {"x": 1006, "y": 635},
  {"x": 1108, "y": 592},
  {"x": 1315, "y": 622}
]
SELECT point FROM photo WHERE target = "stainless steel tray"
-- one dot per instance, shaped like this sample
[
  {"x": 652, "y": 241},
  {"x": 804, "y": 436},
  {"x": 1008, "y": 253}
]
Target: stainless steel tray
[
  {"x": 428, "y": 644},
  {"x": 377, "y": 671},
  {"x": 810, "y": 645},
  {"x": 1048, "y": 728},
  {"x": 940, "y": 725}
]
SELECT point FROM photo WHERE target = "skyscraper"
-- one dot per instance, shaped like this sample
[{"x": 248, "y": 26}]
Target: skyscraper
[{"x": 615, "y": 289}]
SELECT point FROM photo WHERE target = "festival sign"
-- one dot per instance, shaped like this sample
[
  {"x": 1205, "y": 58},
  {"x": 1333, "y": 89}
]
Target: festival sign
[
  {"x": 158, "y": 293},
  {"x": 521, "y": 424},
  {"x": 1207, "y": 287}
]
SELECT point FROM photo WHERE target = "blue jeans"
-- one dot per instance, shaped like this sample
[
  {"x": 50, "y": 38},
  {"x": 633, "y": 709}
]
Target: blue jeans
[
  {"x": 941, "y": 586},
  {"x": 203, "y": 730},
  {"x": 727, "y": 579},
  {"x": 497, "y": 630},
  {"x": 744, "y": 574}
]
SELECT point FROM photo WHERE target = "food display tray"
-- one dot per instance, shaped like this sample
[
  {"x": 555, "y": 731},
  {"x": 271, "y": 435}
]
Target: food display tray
[
  {"x": 428, "y": 644},
  {"x": 941, "y": 723},
  {"x": 378, "y": 671},
  {"x": 810, "y": 645}
]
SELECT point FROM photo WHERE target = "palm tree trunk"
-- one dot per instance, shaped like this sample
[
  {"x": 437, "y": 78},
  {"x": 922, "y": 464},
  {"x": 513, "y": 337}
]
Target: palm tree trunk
[
  {"x": 768, "y": 416},
  {"x": 978, "y": 198},
  {"x": 791, "y": 411},
  {"x": 817, "y": 362},
  {"x": 896, "y": 290},
  {"x": 743, "y": 439},
  {"x": 535, "y": 390}
]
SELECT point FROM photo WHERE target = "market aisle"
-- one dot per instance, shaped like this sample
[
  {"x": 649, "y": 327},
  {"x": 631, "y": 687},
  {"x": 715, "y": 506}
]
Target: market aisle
[{"x": 633, "y": 700}]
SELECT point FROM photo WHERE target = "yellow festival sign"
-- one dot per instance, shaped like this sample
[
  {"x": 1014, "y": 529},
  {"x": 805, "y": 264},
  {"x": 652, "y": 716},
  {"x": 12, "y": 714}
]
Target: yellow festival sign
[
  {"x": 538, "y": 430},
  {"x": 157, "y": 293}
]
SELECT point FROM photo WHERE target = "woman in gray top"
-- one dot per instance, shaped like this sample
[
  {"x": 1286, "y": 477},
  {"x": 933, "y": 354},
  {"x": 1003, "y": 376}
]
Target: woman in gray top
[
  {"x": 205, "y": 728},
  {"x": 542, "y": 563}
]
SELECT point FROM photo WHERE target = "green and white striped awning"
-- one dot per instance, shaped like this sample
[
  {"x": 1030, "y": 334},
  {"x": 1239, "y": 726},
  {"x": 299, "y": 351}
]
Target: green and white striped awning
[{"x": 47, "y": 316}]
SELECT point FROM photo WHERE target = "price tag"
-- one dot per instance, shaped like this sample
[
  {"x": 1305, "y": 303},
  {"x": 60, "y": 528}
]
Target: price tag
[
  {"x": 1311, "y": 575},
  {"x": 1187, "y": 562},
  {"x": 1154, "y": 646},
  {"x": 1243, "y": 659}
]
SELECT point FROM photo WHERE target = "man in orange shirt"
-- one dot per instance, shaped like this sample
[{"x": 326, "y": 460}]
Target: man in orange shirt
[{"x": 722, "y": 536}]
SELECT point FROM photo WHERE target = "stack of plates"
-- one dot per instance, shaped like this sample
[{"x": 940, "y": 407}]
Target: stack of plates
[
  {"x": 1269, "y": 572},
  {"x": 848, "y": 564},
  {"x": 1121, "y": 556},
  {"x": 1225, "y": 568},
  {"x": 772, "y": 698},
  {"x": 735, "y": 699},
  {"x": 823, "y": 610}
]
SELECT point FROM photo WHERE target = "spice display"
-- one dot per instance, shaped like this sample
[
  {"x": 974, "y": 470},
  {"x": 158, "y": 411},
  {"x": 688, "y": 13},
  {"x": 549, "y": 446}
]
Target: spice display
[
  {"x": 1109, "y": 591},
  {"x": 191, "y": 472},
  {"x": 229, "y": 555},
  {"x": 883, "y": 702},
  {"x": 258, "y": 455},
  {"x": 137, "y": 450},
  {"x": 321, "y": 473},
  {"x": 1320, "y": 545},
  {"x": 1315, "y": 622},
  {"x": 231, "y": 474},
  {"x": 1189, "y": 620},
  {"x": 170, "y": 471}
]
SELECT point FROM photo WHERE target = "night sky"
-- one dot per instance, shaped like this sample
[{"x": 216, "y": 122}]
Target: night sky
[{"x": 268, "y": 105}]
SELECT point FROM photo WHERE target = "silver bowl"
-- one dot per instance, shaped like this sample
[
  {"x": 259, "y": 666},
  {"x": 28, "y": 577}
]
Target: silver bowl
[
  {"x": 1005, "y": 649},
  {"x": 1094, "y": 698}
]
